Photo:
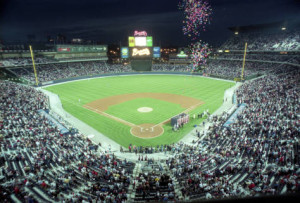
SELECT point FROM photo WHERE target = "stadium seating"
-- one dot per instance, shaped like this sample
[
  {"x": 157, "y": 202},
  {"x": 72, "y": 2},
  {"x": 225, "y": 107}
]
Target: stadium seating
[
  {"x": 284, "y": 41},
  {"x": 39, "y": 163},
  {"x": 257, "y": 155}
]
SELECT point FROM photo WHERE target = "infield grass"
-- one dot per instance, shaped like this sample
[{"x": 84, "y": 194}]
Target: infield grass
[
  {"x": 208, "y": 90},
  {"x": 162, "y": 110}
]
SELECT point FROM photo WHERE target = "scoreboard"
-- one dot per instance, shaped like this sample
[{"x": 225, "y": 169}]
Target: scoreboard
[
  {"x": 140, "y": 51},
  {"x": 140, "y": 46},
  {"x": 140, "y": 39}
]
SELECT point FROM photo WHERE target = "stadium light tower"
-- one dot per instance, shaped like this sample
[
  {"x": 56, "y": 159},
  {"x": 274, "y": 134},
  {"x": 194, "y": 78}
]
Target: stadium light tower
[
  {"x": 283, "y": 28},
  {"x": 242, "y": 75},
  {"x": 33, "y": 64},
  {"x": 236, "y": 32}
]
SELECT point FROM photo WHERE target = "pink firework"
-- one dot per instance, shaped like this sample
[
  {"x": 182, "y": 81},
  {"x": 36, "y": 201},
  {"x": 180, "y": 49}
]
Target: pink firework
[{"x": 197, "y": 16}]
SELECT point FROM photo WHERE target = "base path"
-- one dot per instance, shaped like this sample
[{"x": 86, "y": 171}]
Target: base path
[{"x": 143, "y": 130}]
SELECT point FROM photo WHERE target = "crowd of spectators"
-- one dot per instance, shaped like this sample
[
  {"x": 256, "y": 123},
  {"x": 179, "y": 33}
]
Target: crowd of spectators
[
  {"x": 39, "y": 163},
  {"x": 56, "y": 71},
  {"x": 256, "y": 155},
  {"x": 259, "y": 57},
  {"x": 25, "y": 61},
  {"x": 154, "y": 186},
  {"x": 229, "y": 66},
  {"x": 172, "y": 68},
  {"x": 222, "y": 66},
  {"x": 284, "y": 41},
  {"x": 231, "y": 69}
]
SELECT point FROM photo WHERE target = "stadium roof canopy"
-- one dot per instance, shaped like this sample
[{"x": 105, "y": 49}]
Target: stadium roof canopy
[{"x": 274, "y": 26}]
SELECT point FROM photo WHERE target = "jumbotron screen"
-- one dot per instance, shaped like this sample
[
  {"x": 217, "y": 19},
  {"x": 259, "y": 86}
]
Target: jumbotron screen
[{"x": 140, "y": 41}]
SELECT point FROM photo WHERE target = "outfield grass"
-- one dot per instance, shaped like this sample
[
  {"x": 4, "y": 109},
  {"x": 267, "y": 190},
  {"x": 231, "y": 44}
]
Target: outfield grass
[{"x": 207, "y": 90}]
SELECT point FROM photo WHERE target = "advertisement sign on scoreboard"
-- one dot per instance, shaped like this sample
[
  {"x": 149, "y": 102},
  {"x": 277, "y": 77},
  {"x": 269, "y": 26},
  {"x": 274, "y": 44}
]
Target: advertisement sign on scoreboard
[
  {"x": 124, "y": 52},
  {"x": 156, "y": 52},
  {"x": 131, "y": 42},
  {"x": 149, "y": 42}
]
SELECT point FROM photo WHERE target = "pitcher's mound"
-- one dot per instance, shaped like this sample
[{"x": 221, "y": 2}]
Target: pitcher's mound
[
  {"x": 147, "y": 130},
  {"x": 144, "y": 109}
]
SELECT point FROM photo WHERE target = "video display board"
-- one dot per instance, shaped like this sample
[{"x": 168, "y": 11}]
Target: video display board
[
  {"x": 140, "y": 41},
  {"x": 156, "y": 52},
  {"x": 124, "y": 52}
]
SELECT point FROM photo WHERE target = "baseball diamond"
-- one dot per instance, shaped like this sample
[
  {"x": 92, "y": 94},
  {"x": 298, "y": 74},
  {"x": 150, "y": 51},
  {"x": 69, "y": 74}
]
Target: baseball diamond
[
  {"x": 110, "y": 105},
  {"x": 143, "y": 130}
]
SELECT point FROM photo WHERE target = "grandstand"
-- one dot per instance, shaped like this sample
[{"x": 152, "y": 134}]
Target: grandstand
[{"x": 247, "y": 148}]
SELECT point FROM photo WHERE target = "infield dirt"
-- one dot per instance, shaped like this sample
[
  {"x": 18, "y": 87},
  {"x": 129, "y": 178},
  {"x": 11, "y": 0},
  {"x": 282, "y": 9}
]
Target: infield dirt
[{"x": 143, "y": 130}]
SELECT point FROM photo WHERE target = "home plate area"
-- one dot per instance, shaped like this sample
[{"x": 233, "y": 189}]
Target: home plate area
[{"x": 147, "y": 130}]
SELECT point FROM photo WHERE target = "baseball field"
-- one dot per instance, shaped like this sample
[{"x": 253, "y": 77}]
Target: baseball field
[{"x": 136, "y": 109}]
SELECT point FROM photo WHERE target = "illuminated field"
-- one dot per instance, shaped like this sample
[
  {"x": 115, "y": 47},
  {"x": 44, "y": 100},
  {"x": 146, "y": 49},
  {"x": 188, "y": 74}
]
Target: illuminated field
[{"x": 210, "y": 92}]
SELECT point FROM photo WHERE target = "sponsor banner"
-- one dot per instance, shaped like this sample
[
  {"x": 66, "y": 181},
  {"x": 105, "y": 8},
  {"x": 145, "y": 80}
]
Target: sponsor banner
[
  {"x": 64, "y": 49},
  {"x": 82, "y": 48},
  {"x": 182, "y": 55},
  {"x": 124, "y": 52},
  {"x": 131, "y": 41},
  {"x": 156, "y": 52},
  {"x": 149, "y": 41}
]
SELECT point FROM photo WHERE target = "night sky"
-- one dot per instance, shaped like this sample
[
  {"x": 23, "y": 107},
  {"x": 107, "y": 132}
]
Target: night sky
[{"x": 112, "y": 21}]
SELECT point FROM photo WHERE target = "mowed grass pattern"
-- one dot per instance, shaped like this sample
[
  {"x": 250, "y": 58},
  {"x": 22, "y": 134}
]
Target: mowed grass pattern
[
  {"x": 208, "y": 90},
  {"x": 162, "y": 110}
]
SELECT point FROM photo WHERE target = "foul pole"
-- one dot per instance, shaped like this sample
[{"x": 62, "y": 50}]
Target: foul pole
[
  {"x": 33, "y": 64},
  {"x": 242, "y": 75}
]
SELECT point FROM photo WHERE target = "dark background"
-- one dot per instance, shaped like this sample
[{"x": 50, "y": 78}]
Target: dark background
[{"x": 112, "y": 21}]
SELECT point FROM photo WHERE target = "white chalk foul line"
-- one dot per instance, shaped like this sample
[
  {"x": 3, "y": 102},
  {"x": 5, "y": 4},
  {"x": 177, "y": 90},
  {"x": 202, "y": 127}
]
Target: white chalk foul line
[{"x": 111, "y": 116}]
